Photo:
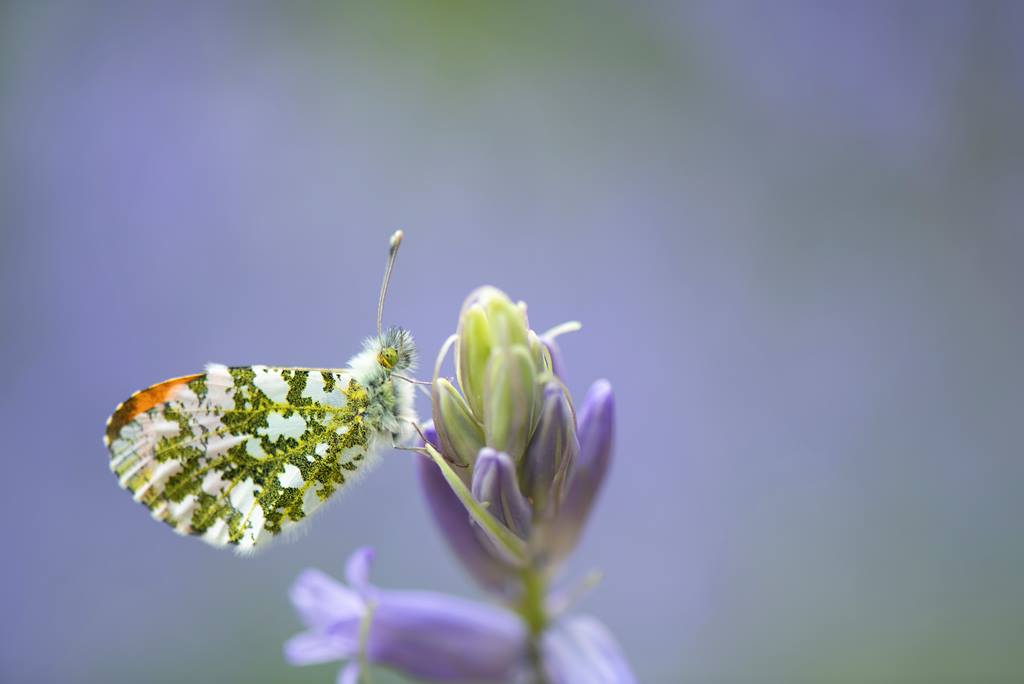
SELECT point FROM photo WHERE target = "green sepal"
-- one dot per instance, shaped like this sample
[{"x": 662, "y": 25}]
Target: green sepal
[{"x": 461, "y": 435}]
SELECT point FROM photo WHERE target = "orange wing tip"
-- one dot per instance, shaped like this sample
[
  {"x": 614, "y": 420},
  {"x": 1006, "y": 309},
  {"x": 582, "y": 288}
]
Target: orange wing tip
[{"x": 142, "y": 401}]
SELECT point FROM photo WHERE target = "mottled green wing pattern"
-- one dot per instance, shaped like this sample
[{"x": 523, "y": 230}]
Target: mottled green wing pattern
[{"x": 237, "y": 455}]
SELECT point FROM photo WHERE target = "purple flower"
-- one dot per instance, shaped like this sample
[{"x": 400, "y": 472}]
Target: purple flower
[
  {"x": 491, "y": 571},
  {"x": 581, "y": 649},
  {"x": 495, "y": 485},
  {"x": 426, "y": 635},
  {"x": 596, "y": 433},
  {"x": 563, "y": 470},
  {"x": 557, "y": 364},
  {"x": 551, "y": 455}
]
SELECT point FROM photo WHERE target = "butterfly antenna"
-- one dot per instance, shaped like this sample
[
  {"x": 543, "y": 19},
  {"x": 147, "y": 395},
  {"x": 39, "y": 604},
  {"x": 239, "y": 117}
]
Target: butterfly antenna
[{"x": 396, "y": 240}]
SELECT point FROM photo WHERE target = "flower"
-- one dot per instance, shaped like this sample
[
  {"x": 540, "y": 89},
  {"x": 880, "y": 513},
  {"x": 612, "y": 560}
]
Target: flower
[
  {"x": 427, "y": 635},
  {"x": 513, "y": 476},
  {"x": 596, "y": 432},
  {"x": 437, "y": 637},
  {"x": 552, "y": 452},
  {"x": 581, "y": 649},
  {"x": 490, "y": 571},
  {"x": 513, "y": 427}
]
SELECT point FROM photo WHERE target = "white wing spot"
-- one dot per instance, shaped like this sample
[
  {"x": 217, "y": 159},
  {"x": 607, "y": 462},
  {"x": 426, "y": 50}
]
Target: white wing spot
[
  {"x": 165, "y": 428},
  {"x": 217, "y": 534},
  {"x": 270, "y": 382},
  {"x": 294, "y": 426},
  {"x": 158, "y": 477},
  {"x": 219, "y": 444},
  {"x": 213, "y": 483},
  {"x": 290, "y": 477},
  {"x": 314, "y": 390},
  {"x": 243, "y": 495},
  {"x": 183, "y": 511},
  {"x": 311, "y": 499},
  {"x": 254, "y": 448}
]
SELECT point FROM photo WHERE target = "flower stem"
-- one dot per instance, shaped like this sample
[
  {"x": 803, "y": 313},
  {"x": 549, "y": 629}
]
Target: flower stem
[
  {"x": 532, "y": 610},
  {"x": 531, "y": 605},
  {"x": 364, "y": 636}
]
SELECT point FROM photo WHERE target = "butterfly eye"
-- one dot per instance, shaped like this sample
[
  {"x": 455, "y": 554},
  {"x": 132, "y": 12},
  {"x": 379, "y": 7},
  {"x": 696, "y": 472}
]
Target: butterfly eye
[{"x": 388, "y": 357}]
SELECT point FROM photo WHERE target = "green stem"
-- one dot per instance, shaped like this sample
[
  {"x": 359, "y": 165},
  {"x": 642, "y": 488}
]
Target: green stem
[
  {"x": 532, "y": 610},
  {"x": 498, "y": 532},
  {"x": 364, "y": 637},
  {"x": 531, "y": 606}
]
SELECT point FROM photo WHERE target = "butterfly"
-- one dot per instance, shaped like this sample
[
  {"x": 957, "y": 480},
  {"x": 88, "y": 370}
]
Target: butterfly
[{"x": 237, "y": 456}]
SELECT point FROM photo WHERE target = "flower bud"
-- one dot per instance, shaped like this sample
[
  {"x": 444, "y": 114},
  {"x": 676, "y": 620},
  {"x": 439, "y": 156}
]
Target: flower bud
[
  {"x": 555, "y": 354},
  {"x": 541, "y": 353},
  {"x": 471, "y": 354},
  {"x": 460, "y": 434},
  {"x": 450, "y": 515},
  {"x": 509, "y": 431},
  {"x": 495, "y": 485},
  {"x": 507, "y": 320},
  {"x": 511, "y": 396},
  {"x": 488, "y": 321},
  {"x": 549, "y": 458},
  {"x": 596, "y": 426}
]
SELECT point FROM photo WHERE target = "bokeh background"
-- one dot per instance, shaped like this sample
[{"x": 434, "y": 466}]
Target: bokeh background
[{"x": 793, "y": 232}]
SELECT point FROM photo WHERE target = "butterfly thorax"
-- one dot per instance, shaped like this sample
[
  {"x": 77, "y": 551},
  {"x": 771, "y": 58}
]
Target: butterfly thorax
[{"x": 389, "y": 397}]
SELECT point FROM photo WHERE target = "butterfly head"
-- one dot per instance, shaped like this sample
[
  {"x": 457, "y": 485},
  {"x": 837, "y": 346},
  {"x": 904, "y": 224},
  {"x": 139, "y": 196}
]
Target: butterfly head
[{"x": 395, "y": 350}]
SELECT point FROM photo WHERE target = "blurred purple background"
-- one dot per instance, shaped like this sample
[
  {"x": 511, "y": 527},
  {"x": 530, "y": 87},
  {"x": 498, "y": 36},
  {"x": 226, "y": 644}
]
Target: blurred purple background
[{"x": 793, "y": 234}]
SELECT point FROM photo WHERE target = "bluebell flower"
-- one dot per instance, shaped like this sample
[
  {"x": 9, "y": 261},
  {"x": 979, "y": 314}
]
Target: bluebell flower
[
  {"x": 496, "y": 486},
  {"x": 581, "y": 649},
  {"x": 515, "y": 410},
  {"x": 422, "y": 634},
  {"x": 525, "y": 470},
  {"x": 595, "y": 434},
  {"x": 439, "y": 638},
  {"x": 491, "y": 571}
]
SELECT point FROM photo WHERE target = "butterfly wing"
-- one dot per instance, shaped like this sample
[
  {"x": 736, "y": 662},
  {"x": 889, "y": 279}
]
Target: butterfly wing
[{"x": 238, "y": 455}]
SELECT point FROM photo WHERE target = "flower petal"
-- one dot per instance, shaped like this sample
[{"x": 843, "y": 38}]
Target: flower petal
[
  {"x": 444, "y": 638},
  {"x": 557, "y": 362},
  {"x": 551, "y": 455},
  {"x": 453, "y": 520},
  {"x": 349, "y": 674},
  {"x": 357, "y": 569},
  {"x": 581, "y": 649},
  {"x": 321, "y": 601},
  {"x": 496, "y": 486},
  {"x": 315, "y": 647},
  {"x": 595, "y": 433}
]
